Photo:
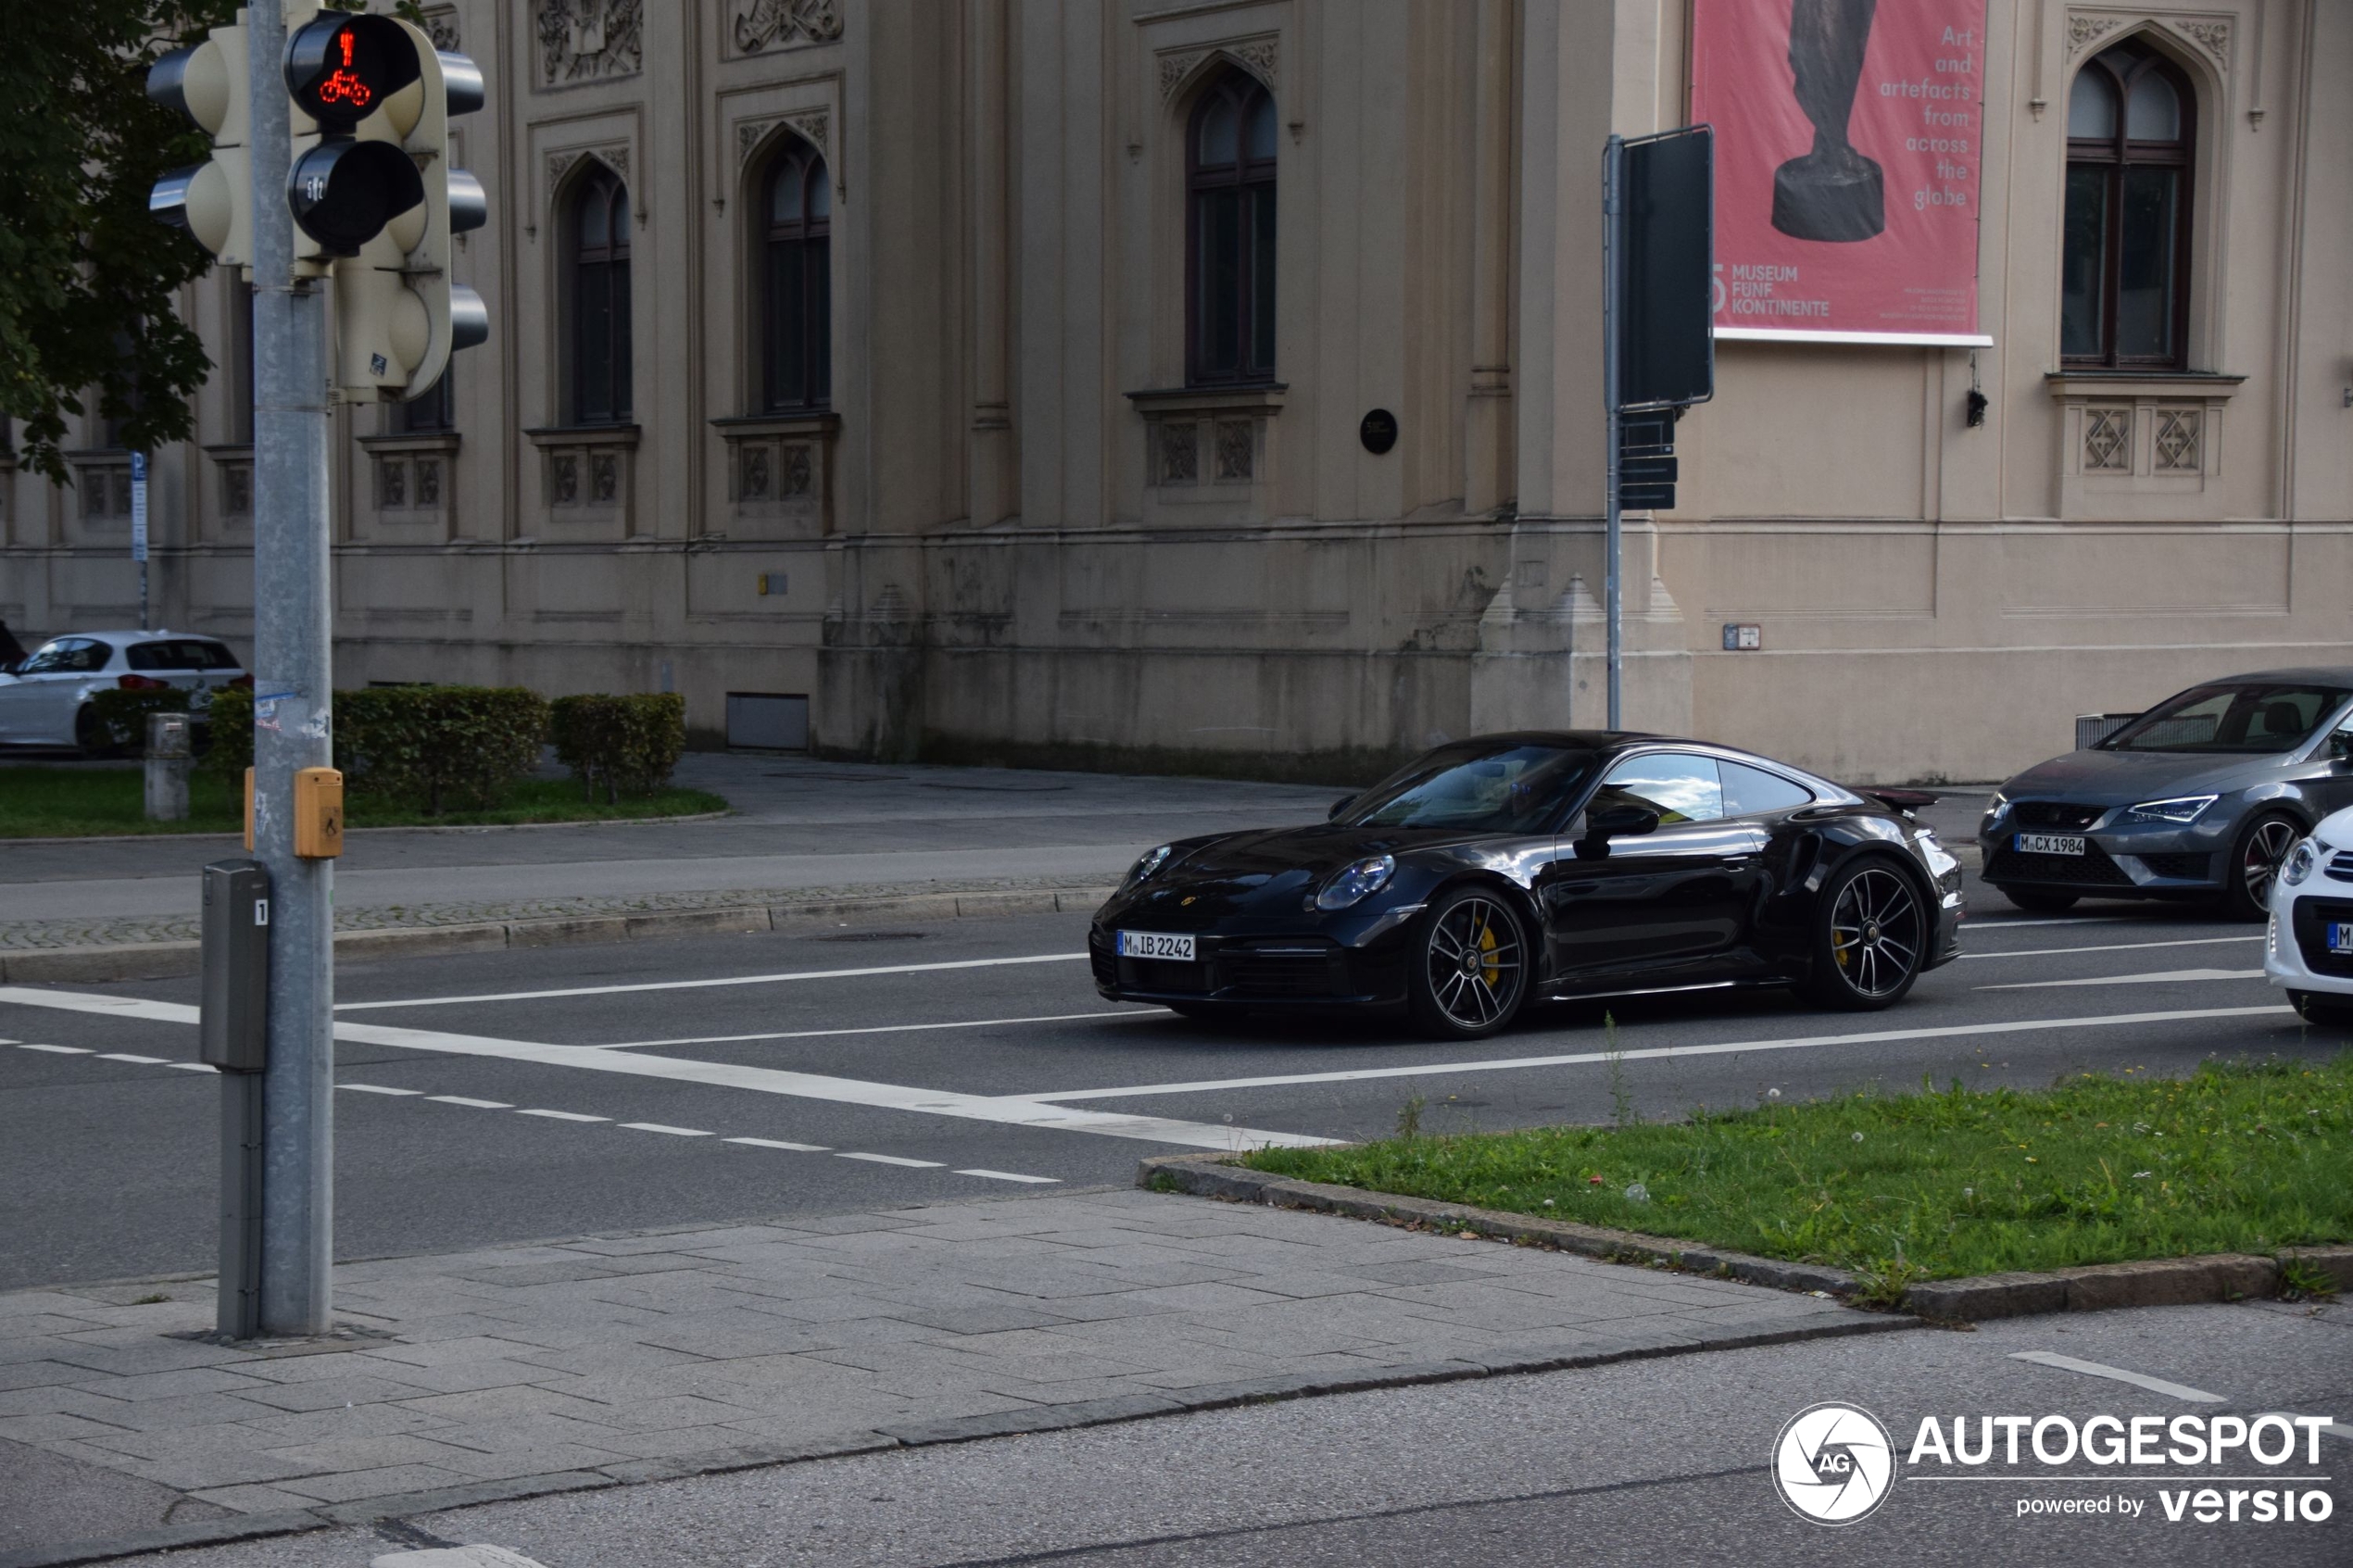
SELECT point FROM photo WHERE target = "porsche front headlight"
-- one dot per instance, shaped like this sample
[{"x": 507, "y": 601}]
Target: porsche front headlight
[
  {"x": 1153, "y": 861},
  {"x": 1357, "y": 882}
]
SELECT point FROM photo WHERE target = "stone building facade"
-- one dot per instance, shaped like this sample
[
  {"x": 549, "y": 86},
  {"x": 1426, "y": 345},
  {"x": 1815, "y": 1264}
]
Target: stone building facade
[{"x": 993, "y": 377}]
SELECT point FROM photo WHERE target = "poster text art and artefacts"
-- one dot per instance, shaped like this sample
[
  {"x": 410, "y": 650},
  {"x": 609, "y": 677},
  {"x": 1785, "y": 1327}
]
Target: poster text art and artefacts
[{"x": 1850, "y": 137}]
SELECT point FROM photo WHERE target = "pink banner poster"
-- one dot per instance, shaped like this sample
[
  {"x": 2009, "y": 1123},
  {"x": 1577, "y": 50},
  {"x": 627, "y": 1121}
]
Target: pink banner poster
[{"x": 1848, "y": 135}]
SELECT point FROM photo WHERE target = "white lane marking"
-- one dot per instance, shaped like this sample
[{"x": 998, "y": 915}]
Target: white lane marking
[
  {"x": 126, "y": 1055},
  {"x": 893, "y": 1160},
  {"x": 1728, "y": 1047},
  {"x": 1011, "y": 1176},
  {"x": 658, "y": 1127},
  {"x": 1996, "y": 923},
  {"x": 2115, "y": 948},
  {"x": 2117, "y": 1374},
  {"x": 779, "y": 1143},
  {"x": 705, "y": 985},
  {"x": 60, "y": 1050},
  {"x": 454, "y": 1557},
  {"x": 376, "y": 1089},
  {"x": 192, "y": 1066},
  {"x": 1018, "y": 1110},
  {"x": 564, "y": 1115},
  {"x": 2153, "y": 978},
  {"x": 476, "y": 1104},
  {"x": 887, "y": 1029}
]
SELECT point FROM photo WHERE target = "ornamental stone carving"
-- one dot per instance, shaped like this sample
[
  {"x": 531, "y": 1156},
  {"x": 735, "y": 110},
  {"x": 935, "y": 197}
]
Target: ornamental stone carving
[
  {"x": 441, "y": 25},
  {"x": 783, "y": 24},
  {"x": 589, "y": 40},
  {"x": 2214, "y": 37},
  {"x": 2082, "y": 31},
  {"x": 560, "y": 164},
  {"x": 811, "y": 125},
  {"x": 1261, "y": 56}
]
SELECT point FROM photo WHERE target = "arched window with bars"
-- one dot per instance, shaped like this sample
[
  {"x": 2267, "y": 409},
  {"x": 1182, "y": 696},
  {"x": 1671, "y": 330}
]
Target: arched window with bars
[
  {"x": 1229, "y": 170},
  {"x": 2124, "y": 269},
  {"x": 796, "y": 273},
  {"x": 599, "y": 231}
]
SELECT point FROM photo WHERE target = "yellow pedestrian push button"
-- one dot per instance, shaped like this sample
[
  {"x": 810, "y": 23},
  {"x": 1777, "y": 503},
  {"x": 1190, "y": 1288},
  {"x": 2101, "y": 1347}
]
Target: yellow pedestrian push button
[{"x": 317, "y": 813}]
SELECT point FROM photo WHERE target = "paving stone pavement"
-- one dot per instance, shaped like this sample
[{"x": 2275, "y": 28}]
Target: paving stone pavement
[{"x": 655, "y": 1354}]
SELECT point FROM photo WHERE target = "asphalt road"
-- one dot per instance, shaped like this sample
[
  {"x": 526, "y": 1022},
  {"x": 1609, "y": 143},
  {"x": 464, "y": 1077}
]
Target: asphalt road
[
  {"x": 1646, "y": 1462},
  {"x": 750, "y": 1075}
]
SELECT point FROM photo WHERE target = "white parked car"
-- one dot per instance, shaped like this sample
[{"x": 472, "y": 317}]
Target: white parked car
[
  {"x": 2309, "y": 949},
  {"x": 46, "y": 699}
]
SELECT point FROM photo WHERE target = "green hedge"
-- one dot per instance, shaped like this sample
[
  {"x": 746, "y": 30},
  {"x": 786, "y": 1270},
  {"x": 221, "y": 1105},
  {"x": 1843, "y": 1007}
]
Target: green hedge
[
  {"x": 628, "y": 742},
  {"x": 463, "y": 746},
  {"x": 437, "y": 744},
  {"x": 125, "y": 713}
]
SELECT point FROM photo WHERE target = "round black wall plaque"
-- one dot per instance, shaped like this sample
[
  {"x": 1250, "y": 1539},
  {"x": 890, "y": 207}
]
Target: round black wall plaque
[{"x": 1379, "y": 432}]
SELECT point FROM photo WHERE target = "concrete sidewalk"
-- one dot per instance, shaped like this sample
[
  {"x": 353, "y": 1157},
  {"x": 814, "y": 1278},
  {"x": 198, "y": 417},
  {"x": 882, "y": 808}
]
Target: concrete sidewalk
[{"x": 516, "y": 1371}]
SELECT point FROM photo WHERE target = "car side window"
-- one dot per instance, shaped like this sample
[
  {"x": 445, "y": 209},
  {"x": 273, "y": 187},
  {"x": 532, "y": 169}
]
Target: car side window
[
  {"x": 153, "y": 656},
  {"x": 1752, "y": 792},
  {"x": 67, "y": 656},
  {"x": 218, "y": 657},
  {"x": 1680, "y": 787}
]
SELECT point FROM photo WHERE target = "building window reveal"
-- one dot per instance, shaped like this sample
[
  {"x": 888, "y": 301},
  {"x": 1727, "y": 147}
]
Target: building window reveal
[
  {"x": 2129, "y": 138},
  {"x": 1230, "y": 233},
  {"x": 601, "y": 374},
  {"x": 797, "y": 347}
]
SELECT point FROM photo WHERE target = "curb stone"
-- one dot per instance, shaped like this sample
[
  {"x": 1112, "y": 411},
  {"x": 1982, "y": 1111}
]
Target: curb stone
[
  {"x": 1213, "y": 1177},
  {"x": 1591, "y": 1351},
  {"x": 2156, "y": 1282},
  {"x": 172, "y": 961}
]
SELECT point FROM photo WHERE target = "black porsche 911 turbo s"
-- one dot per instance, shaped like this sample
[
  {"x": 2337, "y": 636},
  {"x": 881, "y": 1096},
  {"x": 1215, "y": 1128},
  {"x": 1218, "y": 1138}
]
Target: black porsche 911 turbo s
[{"x": 1495, "y": 870}]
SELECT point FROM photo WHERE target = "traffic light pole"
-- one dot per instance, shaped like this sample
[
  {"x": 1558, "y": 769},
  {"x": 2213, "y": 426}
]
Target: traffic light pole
[
  {"x": 292, "y": 687},
  {"x": 1613, "y": 330}
]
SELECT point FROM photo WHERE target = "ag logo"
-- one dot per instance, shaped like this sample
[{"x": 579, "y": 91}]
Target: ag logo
[{"x": 1833, "y": 1464}]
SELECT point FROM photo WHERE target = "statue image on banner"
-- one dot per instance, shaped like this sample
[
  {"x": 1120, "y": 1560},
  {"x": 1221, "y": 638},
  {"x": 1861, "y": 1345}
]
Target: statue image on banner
[{"x": 1832, "y": 193}]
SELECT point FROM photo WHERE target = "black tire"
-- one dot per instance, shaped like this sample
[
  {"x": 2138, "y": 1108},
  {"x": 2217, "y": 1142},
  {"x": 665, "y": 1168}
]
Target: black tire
[
  {"x": 1472, "y": 965},
  {"x": 2035, "y": 901},
  {"x": 1871, "y": 932},
  {"x": 2255, "y": 860},
  {"x": 90, "y": 733},
  {"x": 2317, "y": 1008}
]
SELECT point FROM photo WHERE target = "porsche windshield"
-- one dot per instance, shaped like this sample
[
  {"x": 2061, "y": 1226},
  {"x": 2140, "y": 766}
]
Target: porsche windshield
[
  {"x": 1482, "y": 788},
  {"x": 2247, "y": 717}
]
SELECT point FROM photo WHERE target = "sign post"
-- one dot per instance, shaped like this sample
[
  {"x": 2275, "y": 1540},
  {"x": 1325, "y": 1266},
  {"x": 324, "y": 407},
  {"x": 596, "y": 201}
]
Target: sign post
[
  {"x": 138, "y": 528},
  {"x": 1658, "y": 356}
]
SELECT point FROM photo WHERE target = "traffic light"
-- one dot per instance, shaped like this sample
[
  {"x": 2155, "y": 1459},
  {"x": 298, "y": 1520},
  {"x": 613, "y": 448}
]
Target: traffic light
[
  {"x": 212, "y": 200},
  {"x": 372, "y": 190}
]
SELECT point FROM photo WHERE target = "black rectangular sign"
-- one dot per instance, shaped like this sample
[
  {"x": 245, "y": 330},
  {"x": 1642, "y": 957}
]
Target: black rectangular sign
[{"x": 1667, "y": 192}]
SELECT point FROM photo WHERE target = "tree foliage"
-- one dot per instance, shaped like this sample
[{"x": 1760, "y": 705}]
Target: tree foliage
[{"x": 87, "y": 279}]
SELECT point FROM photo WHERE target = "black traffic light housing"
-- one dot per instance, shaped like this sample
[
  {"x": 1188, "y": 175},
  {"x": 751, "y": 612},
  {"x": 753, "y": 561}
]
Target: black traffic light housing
[
  {"x": 343, "y": 191},
  {"x": 341, "y": 66}
]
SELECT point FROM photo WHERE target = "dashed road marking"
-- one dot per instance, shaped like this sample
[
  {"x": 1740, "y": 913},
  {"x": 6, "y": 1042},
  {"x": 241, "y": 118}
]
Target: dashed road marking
[
  {"x": 705, "y": 985},
  {"x": 779, "y": 1143},
  {"x": 564, "y": 1115},
  {"x": 126, "y": 1055},
  {"x": 2116, "y": 948},
  {"x": 476, "y": 1104},
  {"x": 377, "y": 1089},
  {"x": 2116, "y": 1374},
  {"x": 1008, "y": 1176},
  {"x": 61, "y": 1050},
  {"x": 896, "y": 1160},
  {"x": 658, "y": 1127},
  {"x": 1100, "y": 1015},
  {"x": 2157, "y": 977},
  {"x": 192, "y": 1066}
]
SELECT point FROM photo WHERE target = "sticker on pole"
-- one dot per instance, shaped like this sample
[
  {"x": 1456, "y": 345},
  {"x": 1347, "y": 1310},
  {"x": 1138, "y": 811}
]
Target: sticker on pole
[{"x": 139, "y": 506}]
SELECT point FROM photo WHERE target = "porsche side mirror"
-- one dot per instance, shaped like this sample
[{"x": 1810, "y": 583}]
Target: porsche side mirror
[
  {"x": 1338, "y": 807},
  {"x": 1614, "y": 822}
]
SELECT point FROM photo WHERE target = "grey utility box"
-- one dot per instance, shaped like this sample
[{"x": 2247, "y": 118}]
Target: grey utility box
[{"x": 235, "y": 1026}]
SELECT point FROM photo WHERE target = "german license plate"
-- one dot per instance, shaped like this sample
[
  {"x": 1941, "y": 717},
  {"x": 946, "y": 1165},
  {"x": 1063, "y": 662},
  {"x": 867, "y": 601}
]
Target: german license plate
[
  {"x": 2050, "y": 843},
  {"x": 1157, "y": 944},
  {"x": 2340, "y": 937}
]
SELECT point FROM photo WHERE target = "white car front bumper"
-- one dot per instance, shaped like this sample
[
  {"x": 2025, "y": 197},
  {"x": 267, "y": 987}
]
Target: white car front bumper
[{"x": 2286, "y": 963}]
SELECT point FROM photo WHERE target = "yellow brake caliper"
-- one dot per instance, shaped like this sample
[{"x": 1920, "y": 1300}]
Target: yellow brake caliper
[{"x": 1488, "y": 968}]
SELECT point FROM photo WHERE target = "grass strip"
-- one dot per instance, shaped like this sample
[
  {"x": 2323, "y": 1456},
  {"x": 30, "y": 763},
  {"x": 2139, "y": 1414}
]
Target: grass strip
[
  {"x": 2240, "y": 1157},
  {"x": 37, "y": 802}
]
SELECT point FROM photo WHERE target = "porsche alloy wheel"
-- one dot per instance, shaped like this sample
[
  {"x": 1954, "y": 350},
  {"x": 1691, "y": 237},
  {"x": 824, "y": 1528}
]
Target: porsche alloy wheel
[
  {"x": 1873, "y": 939},
  {"x": 1473, "y": 970}
]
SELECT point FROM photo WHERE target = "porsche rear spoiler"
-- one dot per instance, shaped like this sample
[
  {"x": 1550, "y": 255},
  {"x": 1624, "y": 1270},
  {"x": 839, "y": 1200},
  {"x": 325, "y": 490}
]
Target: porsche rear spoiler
[{"x": 1905, "y": 800}]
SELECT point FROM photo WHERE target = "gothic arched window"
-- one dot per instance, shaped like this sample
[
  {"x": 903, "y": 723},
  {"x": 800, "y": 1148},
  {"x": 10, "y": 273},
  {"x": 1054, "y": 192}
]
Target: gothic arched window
[
  {"x": 2123, "y": 275},
  {"x": 796, "y": 294},
  {"x": 1229, "y": 176},
  {"x": 599, "y": 230}
]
